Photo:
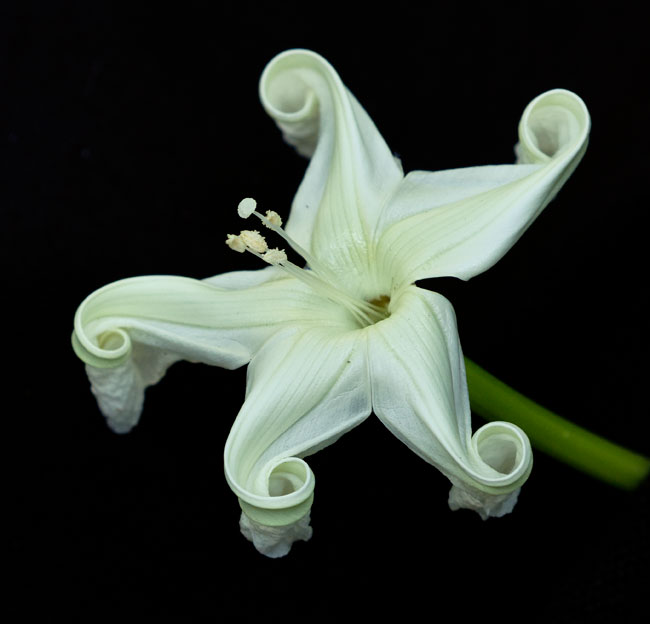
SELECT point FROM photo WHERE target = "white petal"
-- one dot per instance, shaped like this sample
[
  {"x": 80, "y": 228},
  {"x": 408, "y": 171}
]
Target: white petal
[
  {"x": 424, "y": 191},
  {"x": 459, "y": 223},
  {"x": 304, "y": 390},
  {"x": 419, "y": 392},
  {"x": 351, "y": 173},
  {"x": 134, "y": 329}
]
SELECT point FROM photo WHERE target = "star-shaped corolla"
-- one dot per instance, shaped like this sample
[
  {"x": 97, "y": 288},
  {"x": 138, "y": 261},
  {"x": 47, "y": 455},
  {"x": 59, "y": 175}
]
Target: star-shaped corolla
[{"x": 350, "y": 333}]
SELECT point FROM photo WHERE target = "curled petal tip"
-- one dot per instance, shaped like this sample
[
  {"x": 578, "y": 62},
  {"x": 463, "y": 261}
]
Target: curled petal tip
[
  {"x": 555, "y": 122},
  {"x": 290, "y": 100},
  {"x": 503, "y": 461},
  {"x": 504, "y": 449}
]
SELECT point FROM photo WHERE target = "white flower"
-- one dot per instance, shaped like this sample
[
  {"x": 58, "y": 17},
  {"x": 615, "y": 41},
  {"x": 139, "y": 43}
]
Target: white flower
[{"x": 352, "y": 333}]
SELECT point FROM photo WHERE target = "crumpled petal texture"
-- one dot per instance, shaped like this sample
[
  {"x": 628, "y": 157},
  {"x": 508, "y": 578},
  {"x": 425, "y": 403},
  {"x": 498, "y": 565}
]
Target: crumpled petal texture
[
  {"x": 275, "y": 541},
  {"x": 318, "y": 367}
]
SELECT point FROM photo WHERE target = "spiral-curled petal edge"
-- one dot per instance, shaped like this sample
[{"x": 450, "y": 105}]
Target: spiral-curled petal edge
[
  {"x": 503, "y": 460},
  {"x": 290, "y": 101},
  {"x": 555, "y": 122}
]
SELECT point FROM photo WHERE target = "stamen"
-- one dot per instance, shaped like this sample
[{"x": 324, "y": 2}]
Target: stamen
[
  {"x": 271, "y": 222},
  {"x": 253, "y": 240},
  {"x": 274, "y": 218},
  {"x": 275, "y": 256},
  {"x": 236, "y": 243}
]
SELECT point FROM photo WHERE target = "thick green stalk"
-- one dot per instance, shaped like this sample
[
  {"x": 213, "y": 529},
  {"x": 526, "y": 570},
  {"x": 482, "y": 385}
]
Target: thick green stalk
[{"x": 556, "y": 436}]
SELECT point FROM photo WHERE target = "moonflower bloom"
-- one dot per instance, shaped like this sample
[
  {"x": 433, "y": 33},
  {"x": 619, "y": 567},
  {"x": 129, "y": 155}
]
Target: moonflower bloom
[{"x": 349, "y": 333}]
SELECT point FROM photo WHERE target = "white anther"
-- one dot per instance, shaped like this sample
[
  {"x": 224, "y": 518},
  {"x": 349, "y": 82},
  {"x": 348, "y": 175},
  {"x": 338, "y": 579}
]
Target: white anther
[
  {"x": 236, "y": 243},
  {"x": 274, "y": 218},
  {"x": 254, "y": 240},
  {"x": 275, "y": 256},
  {"x": 246, "y": 207}
]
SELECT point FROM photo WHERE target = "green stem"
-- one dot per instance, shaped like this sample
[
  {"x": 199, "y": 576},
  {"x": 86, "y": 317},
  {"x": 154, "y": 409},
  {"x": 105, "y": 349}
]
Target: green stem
[{"x": 553, "y": 435}]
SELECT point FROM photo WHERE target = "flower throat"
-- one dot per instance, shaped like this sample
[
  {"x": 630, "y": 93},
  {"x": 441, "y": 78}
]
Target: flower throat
[{"x": 319, "y": 277}]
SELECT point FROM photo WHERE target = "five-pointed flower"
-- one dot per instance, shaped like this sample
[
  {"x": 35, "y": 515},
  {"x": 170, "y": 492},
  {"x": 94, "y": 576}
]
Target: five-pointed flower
[{"x": 350, "y": 333}]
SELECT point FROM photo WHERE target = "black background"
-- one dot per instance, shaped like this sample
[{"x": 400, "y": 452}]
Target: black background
[{"x": 133, "y": 133}]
